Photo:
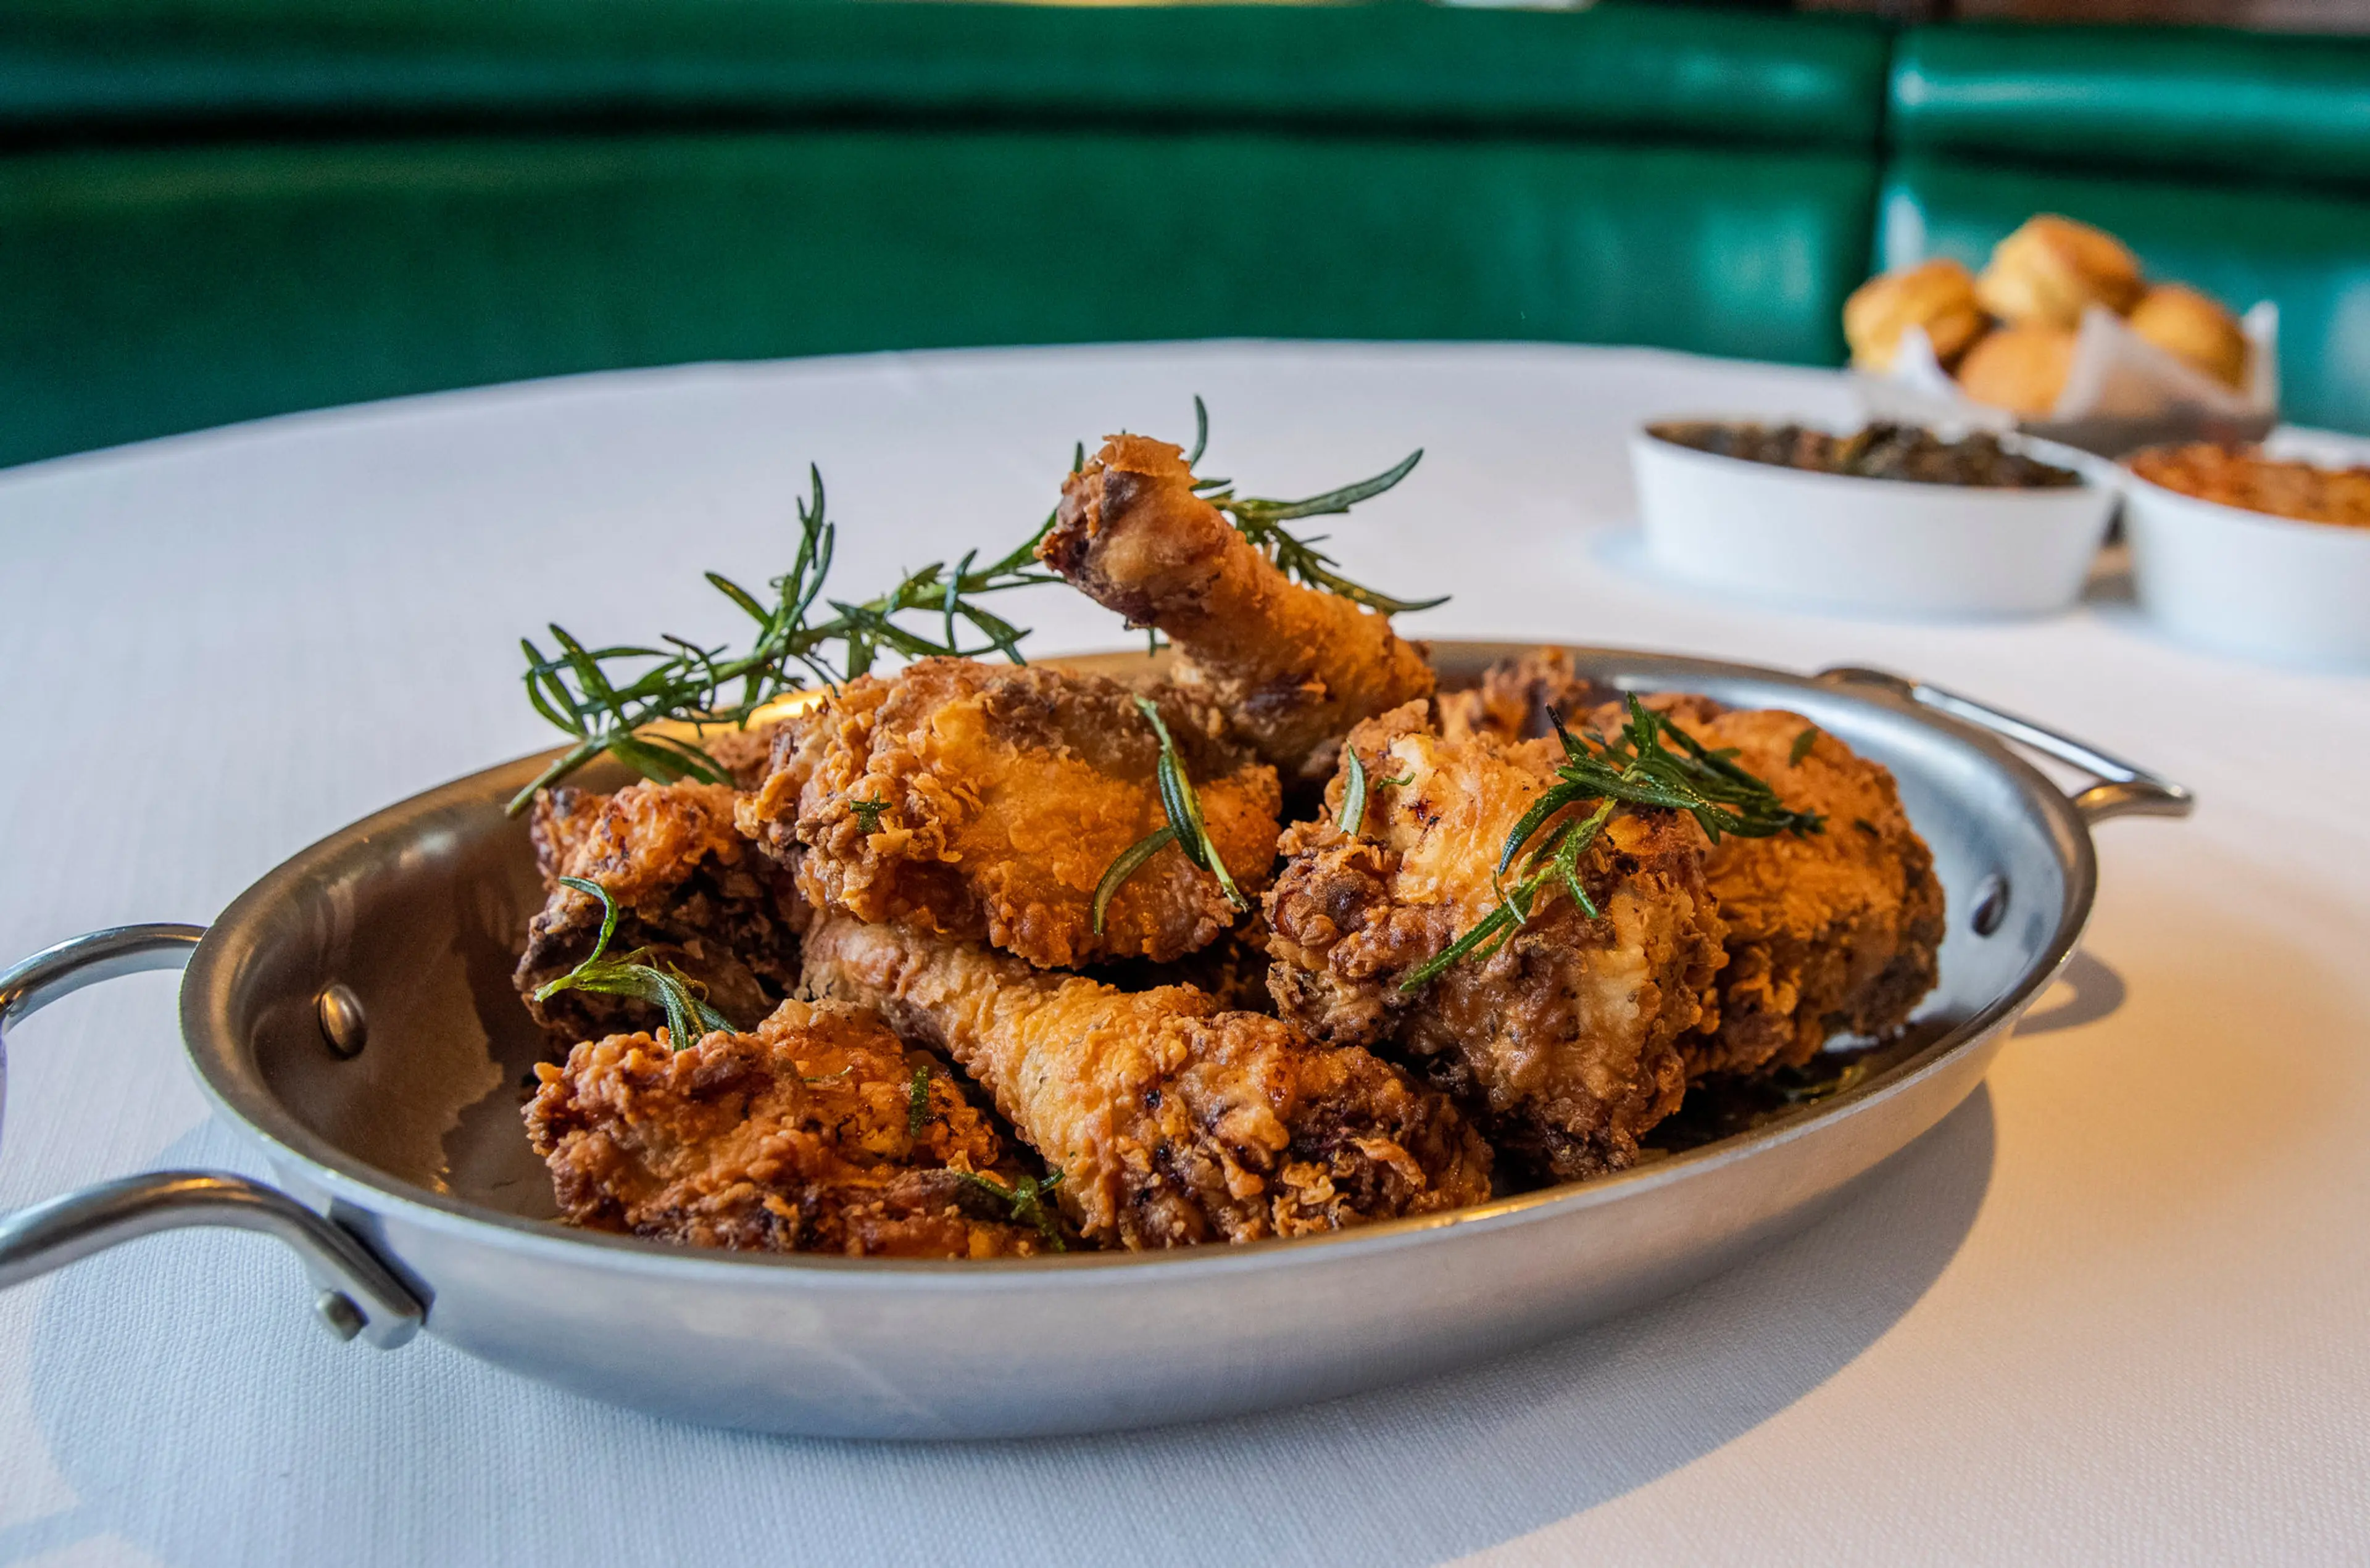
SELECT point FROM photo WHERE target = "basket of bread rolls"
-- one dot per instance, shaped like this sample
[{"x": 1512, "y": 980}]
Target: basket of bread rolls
[{"x": 2065, "y": 335}]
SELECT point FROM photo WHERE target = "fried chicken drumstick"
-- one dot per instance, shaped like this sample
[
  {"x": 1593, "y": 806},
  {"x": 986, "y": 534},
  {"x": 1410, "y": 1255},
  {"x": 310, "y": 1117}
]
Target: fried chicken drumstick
[
  {"x": 1293, "y": 668},
  {"x": 1171, "y": 1122},
  {"x": 688, "y": 888},
  {"x": 1564, "y": 1042},
  {"x": 811, "y": 1134},
  {"x": 984, "y": 802},
  {"x": 1832, "y": 932}
]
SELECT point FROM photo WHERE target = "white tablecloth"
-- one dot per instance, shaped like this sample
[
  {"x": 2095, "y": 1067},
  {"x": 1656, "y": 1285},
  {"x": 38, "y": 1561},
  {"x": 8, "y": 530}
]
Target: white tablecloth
[{"x": 2112, "y": 1311}]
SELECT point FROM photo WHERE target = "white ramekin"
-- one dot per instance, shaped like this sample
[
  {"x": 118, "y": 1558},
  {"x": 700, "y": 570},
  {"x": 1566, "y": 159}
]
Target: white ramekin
[
  {"x": 1870, "y": 546},
  {"x": 2249, "y": 583}
]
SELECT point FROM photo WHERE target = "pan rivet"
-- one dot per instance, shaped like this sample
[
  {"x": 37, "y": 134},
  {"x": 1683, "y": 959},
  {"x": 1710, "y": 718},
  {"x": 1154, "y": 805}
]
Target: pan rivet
[
  {"x": 1991, "y": 905},
  {"x": 338, "y": 1314},
  {"x": 343, "y": 1028}
]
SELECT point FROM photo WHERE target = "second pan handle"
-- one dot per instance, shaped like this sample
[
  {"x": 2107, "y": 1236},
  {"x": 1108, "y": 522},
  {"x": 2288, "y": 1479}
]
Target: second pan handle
[
  {"x": 2124, "y": 789},
  {"x": 363, "y": 1298}
]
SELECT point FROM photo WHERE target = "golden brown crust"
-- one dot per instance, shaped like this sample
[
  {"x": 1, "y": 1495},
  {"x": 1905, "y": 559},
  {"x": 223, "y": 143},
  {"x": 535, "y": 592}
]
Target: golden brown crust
[
  {"x": 1830, "y": 933},
  {"x": 2050, "y": 269},
  {"x": 1231, "y": 971},
  {"x": 1939, "y": 295},
  {"x": 1006, "y": 791},
  {"x": 2194, "y": 327},
  {"x": 796, "y": 1137},
  {"x": 746, "y": 754},
  {"x": 2020, "y": 368},
  {"x": 1293, "y": 668},
  {"x": 1171, "y": 1121},
  {"x": 1514, "y": 697},
  {"x": 1564, "y": 1041},
  {"x": 687, "y": 886}
]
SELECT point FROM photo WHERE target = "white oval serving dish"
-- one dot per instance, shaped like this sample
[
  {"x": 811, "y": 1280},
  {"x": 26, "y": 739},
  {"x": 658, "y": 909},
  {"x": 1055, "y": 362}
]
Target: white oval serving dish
[
  {"x": 1872, "y": 546},
  {"x": 2249, "y": 582}
]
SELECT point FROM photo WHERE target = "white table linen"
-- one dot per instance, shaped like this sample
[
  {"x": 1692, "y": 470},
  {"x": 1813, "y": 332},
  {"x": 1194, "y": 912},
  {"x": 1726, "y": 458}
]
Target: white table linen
[{"x": 2114, "y": 1310}]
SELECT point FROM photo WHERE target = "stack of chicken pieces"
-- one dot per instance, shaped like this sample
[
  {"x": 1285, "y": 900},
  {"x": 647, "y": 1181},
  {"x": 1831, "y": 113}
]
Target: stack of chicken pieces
[{"x": 940, "y": 1051}]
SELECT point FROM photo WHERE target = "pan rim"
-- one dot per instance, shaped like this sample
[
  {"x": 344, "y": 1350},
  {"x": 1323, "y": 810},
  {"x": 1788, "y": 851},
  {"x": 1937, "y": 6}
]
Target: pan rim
[{"x": 229, "y": 1080}]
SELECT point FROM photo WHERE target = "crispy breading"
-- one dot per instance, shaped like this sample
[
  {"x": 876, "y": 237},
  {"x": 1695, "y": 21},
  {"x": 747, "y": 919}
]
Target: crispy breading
[
  {"x": 1292, "y": 666},
  {"x": 1171, "y": 1121},
  {"x": 1232, "y": 970},
  {"x": 1004, "y": 792},
  {"x": 746, "y": 754},
  {"x": 797, "y": 1136},
  {"x": 1831, "y": 932},
  {"x": 688, "y": 886},
  {"x": 1563, "y": 1042},
  {"x": 1515, "y": 696}
]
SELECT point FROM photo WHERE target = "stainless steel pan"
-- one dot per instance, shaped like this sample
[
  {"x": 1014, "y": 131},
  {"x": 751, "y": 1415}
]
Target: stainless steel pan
[{"x": 351, "y": 1015}]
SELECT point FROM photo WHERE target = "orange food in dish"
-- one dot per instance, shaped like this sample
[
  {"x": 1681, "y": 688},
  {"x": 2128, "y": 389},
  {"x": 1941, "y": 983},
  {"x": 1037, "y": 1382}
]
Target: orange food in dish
[{"x": 2243, "y": 477}]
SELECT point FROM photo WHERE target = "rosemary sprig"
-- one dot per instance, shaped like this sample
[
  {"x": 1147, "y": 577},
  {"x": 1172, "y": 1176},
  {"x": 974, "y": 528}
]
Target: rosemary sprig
[
  {"x": 917, "y": 1102},
  {"x": 1124, "y": 866},
  {"x": 687, "y": 1016},
  {"x": 1025, "y": 1200},
  {"x": 1353, "y": 792},
  {"x": 1186, "y": 828},
  {"x": 1261, "y": 522},
  {"x": 607, "y": 697},
  {"x": 1636, "y": 770},
  {"x": 1555, "y": 862},
  {"x": 1356, "y": 791}
]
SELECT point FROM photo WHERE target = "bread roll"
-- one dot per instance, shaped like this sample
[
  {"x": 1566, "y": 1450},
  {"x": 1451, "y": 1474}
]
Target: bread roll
[
  {"x": 2049, "y": 270},
  {"x": 2194, "y": 327},
  {"x": 1939, "y": 295},
  {"x": 2020, "y": 368}
]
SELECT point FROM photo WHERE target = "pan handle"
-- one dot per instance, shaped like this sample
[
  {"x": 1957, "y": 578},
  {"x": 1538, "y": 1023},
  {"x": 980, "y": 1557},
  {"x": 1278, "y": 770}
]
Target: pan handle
[
  {"x": 2124, "y": 789},
  {"x": 363, "y": 1296}
]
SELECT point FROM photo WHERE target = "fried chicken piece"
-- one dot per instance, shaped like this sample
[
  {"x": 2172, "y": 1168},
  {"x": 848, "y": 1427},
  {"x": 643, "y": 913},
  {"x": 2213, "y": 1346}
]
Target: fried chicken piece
[
  {"x": 1171, "y": 1121},
  {"x": 687, "y": 886},
  {"x": 1293, "y": 668},
  {"x": 746, "y": 754},
  {"x": 1565, "y": 1041},
  {"x": 1231, "y": 971},
  {"x": 1516, "y": 696},
  {"x": 797, "y": 1137},
  {"x": 1003, "y": 793},
  {"x": 1830, "y": 933}
]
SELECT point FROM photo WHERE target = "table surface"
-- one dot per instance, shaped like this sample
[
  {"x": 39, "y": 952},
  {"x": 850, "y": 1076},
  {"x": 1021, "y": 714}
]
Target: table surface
[{"x": 2112, "y": 1311}]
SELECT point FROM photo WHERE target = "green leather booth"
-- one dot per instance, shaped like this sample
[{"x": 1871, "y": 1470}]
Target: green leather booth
[
  {"x": 228, "y": 210},
  {"x": 213, "y": 209}
]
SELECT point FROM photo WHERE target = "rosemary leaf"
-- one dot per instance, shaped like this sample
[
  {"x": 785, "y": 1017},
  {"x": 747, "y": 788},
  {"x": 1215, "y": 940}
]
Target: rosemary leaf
[
  {"x": 917, "y": 1104},
  {"x": 605, "y": 699},
  {"x": 1353, "y": 792},
  {"x": 1121, "y": 869},
  {"x": 1184, "y": 809},
  {"x": 1455, "y": 953},
  {"x": 688, "y": 1017},
  {"x": 1024, "y": 1200},
  {"x": 1637, "y": 769},
  {"x": 1261, "y": 520}
]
